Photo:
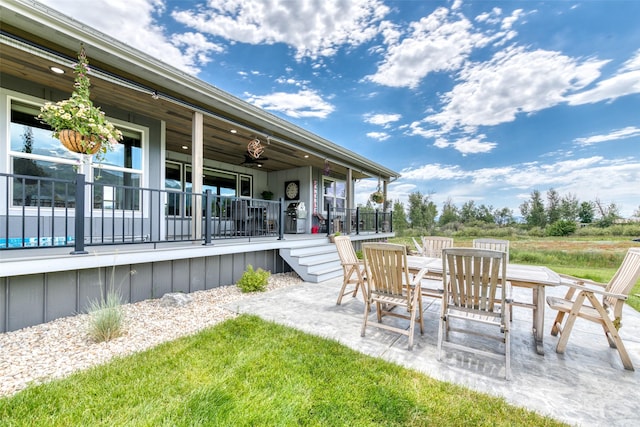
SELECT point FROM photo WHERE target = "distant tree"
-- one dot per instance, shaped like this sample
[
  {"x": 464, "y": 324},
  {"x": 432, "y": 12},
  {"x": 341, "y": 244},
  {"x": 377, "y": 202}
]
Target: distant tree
[
  {"x": 533, "y": 211},
  {"x": 586, "y": 212},
  {"x": 608, "y": 213},
  {"x": 485, "y": 214},
  {"x": 400, "y": 222},
  {"x": 553, "y": 206},
  {"x": 503, "y": 216},
  {"x": 636, "y": 213},
  {"x": 449, "y": 213},
  {"x": 569, "y": 207},
  {"x": 422, "y": 211},
  {"x": 468, "y": 212}
]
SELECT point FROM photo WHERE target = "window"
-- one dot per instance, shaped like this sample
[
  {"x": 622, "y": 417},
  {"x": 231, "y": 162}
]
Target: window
[
  {"x": 335, "y": 194},
  {"x": 34, "y": 152}
]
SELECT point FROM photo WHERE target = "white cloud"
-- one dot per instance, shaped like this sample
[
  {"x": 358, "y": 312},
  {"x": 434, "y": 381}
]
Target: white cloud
[
  {"x": 139, "y": 29},
  {"x": 628, "y": 132},
  {"x": 611, "y": 180},
  {"x": 467, "y": 145},
  {"x": 626, "y": 82},
  {"x": 380, "y": 136},
  {"x": 313, "y": 28},
  {"x": 514, "y": 81},
  {"x": 438, "y": 42},
  {"x": 305, "y": 103},
  {"x": 382, "y": 119}
]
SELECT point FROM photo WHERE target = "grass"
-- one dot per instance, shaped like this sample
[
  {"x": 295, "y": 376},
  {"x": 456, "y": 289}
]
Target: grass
[{"x": 247, "y": 371}]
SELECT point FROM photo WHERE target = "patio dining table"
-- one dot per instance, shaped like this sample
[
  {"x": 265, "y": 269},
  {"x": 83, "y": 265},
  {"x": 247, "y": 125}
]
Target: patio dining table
[{"x": 533, "y": 277}]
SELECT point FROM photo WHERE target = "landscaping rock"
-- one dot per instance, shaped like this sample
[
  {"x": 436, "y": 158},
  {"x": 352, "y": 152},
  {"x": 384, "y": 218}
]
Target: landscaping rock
[{"x": 175, "y": 299}]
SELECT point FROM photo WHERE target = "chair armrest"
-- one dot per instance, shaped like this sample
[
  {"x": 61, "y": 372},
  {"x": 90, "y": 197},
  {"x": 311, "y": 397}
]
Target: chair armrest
[
  {"x": 567, "y": 280},
  {"x": 588, "y": 286},
  {"x": 419, "y": 276}
]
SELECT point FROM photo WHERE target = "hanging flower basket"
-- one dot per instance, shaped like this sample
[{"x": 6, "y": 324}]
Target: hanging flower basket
[
  {"x": 377, "y": 197},
  {"x": 94, "y": 134},
  {"x": 78, "y": 143}
]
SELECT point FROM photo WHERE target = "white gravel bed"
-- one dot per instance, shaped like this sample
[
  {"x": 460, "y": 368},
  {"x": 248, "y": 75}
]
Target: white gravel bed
[{"x": 56, "y": 349}]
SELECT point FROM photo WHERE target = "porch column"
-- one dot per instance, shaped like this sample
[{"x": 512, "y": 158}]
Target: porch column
[
  {"x": 349, "y": 189},
  {"x": 385, "y": 205},
  {"x": 197, "y": 160}
]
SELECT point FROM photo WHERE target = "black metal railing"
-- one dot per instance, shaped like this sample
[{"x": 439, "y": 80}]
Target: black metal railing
[
  {"x": 43, "y": 212},
  {"x": 357, "y": 221}
]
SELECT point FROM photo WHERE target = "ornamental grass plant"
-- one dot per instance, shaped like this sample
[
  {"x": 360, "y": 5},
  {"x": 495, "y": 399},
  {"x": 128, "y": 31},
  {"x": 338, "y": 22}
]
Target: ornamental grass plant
[{"x": 80, "y": 115}]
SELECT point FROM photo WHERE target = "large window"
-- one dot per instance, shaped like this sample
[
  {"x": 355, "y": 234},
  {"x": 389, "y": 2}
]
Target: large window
[
  {"x": 34, "y": 152},
  {"x": 221, "y": 183},
  {"x": 335, "y": 194}
]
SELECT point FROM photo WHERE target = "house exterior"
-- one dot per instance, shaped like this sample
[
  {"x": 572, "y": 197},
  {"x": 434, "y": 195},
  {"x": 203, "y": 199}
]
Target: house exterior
[{"x": 68, "y": 225}]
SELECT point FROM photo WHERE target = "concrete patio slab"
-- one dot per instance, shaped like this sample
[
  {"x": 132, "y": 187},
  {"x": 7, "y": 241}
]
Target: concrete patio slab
[{"x": 586, "y": 386}]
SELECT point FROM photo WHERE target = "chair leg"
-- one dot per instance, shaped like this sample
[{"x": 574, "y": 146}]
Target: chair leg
[
  {"x": 507, "y": 351},
  {"x": 366, "y": 316},
  {"x": 611, "y": 332},
  {"x": 412, "y": 324},
  {"x": 440, "y": 336},
  {"x": 556, "y": 323},
  {"x": 568, "y": 326}
]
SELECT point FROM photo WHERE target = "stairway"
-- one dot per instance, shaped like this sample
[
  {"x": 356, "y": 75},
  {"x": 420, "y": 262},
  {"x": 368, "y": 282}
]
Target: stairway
[{"x": 315, "y": 263}]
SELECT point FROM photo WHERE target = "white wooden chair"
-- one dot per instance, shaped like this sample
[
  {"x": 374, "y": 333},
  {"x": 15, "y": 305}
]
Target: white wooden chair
[
  {"x": 432, "y": 247},
  {"x": 352, "y": 268},
  {"x": 607, "y": 311},
  {"x": 475, "y": 292},
  {"x": 492, "y": 244},
  {"x": 390, "y": 288}
]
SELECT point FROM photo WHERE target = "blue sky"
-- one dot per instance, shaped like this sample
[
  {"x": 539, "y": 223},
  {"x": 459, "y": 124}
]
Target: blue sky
[{"x": 469, "y": 100}]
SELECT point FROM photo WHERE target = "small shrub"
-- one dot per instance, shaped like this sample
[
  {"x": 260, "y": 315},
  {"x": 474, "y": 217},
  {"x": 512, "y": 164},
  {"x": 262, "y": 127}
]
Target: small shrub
[
  {"x": 106, "y": 317},
  {"x": 561, "y": 228},
  {"x": 253, "y": 280}
]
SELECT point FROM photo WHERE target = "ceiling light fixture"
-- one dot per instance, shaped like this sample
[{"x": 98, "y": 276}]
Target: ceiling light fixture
[
  {"x": 56, "y": 70},
  {"x": 233, "y": 131},
  {"x": 255, "y": 148},
  {"x": 185, "y": 147}
]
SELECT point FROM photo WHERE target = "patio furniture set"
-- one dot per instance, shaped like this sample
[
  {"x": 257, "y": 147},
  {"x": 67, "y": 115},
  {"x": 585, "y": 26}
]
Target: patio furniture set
[{"x": 475, "y": 286}]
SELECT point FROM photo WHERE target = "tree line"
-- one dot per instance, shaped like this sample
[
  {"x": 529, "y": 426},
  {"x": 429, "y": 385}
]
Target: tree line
[{"x": 558, "y": 214}]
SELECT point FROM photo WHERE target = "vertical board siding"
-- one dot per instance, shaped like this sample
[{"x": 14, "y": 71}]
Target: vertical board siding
[{"x": 32, "y": 299}]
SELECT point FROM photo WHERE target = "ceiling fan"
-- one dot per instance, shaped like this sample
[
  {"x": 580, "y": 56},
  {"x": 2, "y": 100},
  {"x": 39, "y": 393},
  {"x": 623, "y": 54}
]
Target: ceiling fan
[{"x": 252, "y": 162}]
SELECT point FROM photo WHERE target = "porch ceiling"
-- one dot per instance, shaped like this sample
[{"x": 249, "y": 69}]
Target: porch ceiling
[{"x": 118, "y": 82}]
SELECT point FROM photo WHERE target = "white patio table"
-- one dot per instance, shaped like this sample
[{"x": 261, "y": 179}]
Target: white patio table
[{"x": 533, "y": 277}]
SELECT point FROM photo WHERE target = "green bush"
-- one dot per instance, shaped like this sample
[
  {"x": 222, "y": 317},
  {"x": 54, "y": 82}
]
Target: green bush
[
  {"x": 561, "y": 228},
  {"x": 106, "y": 318},
  {"x": 253, "y": 280}
]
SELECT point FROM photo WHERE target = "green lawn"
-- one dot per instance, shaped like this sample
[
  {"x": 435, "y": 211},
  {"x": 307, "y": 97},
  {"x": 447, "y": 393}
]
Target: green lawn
[{"x": 250, "y": 372}]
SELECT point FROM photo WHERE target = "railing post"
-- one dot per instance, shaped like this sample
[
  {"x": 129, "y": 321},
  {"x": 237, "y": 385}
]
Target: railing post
[
  {"x": 280, "y": 218},
  {"x": 207, "y": 217},
  {"x": 358, "y": 220},
  {"x": 79, "y": 212},
  {"x": 329, "y": 229},
  {"x": 376, "y": 221}
]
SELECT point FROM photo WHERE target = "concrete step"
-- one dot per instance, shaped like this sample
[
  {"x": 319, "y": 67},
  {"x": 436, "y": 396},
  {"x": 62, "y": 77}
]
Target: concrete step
[{"x": 314, "y": 263}]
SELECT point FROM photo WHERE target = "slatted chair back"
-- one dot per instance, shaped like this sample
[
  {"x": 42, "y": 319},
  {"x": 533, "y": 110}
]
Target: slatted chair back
[
  {"x": 352, "y": 268},
  {"x": 386, "y": 269},
  {"x": 623, "y": 281},
  {"x": 493, "y": 245},
  {"x": 432, "y": 246},
  {"x": 474, "y": 279}
]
